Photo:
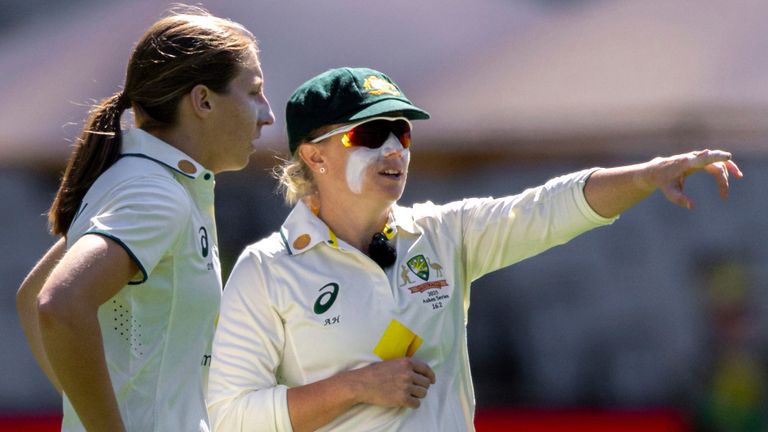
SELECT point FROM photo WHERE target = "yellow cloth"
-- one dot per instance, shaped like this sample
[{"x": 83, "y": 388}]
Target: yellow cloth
[{"x": 397, "y": 341}]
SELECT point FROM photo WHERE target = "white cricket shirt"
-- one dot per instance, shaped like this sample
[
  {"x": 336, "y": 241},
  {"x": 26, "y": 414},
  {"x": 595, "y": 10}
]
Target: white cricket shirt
[
  {"x": 301, "y": 306},
  {"x": 157, "y": 203}
]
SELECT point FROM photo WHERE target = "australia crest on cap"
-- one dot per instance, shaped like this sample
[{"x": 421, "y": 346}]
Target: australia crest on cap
[{"x": 378, "y": 86}]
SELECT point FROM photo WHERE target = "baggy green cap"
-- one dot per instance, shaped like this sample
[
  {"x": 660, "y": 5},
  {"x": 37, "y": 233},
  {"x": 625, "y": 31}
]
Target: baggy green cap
[{"x": 343, "y": 95}]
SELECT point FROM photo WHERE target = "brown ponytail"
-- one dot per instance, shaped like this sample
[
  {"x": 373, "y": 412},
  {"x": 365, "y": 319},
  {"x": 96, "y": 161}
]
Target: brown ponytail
[
  {"x": 176, "y": 53},
  {"x": 97, "y": 148}
]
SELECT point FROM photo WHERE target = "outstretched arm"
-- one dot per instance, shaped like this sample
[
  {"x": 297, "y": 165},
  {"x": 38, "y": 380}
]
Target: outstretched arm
[
  {"x": 612, "y": 191},
  {"x": 26, "y": 306}
]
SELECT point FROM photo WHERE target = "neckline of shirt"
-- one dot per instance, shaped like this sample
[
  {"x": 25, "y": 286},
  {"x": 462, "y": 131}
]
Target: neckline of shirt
[
  {"x": 138, "y": 142},
  {"x": 302, "y": 230}
]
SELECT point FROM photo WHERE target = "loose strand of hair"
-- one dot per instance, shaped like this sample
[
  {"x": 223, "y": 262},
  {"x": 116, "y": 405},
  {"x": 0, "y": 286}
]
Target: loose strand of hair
[{"x": 97, "y": 148}]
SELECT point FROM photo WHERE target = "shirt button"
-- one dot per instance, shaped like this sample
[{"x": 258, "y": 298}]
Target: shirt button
[
  {"x": 302, "y": 241},
  {"x": 187, "y": 166}
]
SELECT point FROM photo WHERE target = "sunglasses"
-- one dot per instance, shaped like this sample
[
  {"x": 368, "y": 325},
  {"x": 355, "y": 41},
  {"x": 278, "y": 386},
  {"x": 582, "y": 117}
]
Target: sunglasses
[{"x": 372, "y": 132}]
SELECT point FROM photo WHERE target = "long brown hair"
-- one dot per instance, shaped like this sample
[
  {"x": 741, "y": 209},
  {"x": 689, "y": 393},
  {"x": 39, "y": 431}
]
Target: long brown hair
[{"x": 178, "y": 52}]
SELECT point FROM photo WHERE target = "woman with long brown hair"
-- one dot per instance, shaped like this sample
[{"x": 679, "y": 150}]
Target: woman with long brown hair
[{"x": 121, "y": 311}]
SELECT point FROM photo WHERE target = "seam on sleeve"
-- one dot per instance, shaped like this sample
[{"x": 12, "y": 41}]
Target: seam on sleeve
[{"x": 127, "y": 250}]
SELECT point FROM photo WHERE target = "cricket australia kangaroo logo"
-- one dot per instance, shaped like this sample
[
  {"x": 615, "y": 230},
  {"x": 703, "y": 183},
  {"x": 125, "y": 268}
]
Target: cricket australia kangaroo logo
[
  {"x": 422, "y": 267},
  {"x": 419, "y": 267}
]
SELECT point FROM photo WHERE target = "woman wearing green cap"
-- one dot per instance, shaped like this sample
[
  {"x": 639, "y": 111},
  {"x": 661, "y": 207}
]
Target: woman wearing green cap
[{"x": 352, "y": 316}]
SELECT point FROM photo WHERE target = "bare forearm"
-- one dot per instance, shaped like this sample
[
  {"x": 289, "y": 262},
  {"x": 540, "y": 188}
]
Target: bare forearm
[
  {"x": 401, "y": 382},
  {"x": 26, "y": 307},
  {"x": 92, "y": 271},
  {"x": 612, "y": 191},
  {"x": 75, "y": 351},
  {"x": 315, "y": 405}
]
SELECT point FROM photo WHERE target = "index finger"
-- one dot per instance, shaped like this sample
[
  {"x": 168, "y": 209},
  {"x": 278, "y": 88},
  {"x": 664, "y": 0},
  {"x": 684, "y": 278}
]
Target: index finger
[
  {"x": 707, "y": 157},
  {"x": 423, "y": 369}
]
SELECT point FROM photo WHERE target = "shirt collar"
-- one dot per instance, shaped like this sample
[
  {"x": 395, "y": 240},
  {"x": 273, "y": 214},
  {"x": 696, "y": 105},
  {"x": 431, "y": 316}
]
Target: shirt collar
[
  {"x": 403, "y": 219},
  {"x": 302, "y": 230},
  {"x": 138, "y": 142}
]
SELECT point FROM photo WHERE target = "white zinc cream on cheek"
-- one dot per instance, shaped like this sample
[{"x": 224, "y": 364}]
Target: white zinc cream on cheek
[{"x": 362, "y": 157}]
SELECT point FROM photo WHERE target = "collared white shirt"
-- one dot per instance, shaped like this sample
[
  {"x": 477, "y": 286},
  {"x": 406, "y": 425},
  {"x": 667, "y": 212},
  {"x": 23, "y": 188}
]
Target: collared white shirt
[
  {"x": 157, "y": 203},
  {"x": 301, "y": 306}
]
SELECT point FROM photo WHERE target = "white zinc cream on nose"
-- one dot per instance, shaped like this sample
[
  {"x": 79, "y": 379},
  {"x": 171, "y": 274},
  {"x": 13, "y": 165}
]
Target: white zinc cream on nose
[{"x": 360, "y": 159}]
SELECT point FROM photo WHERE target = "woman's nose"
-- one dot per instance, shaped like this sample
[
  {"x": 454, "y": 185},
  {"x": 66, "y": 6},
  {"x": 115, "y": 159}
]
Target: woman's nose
[{"x": 392, "y": 146}]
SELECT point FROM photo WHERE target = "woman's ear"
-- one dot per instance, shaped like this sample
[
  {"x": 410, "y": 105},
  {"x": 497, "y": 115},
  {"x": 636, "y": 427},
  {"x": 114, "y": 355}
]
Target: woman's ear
[
  {"x": 201, "y": 98},
  {"x": 313, "y": 157}
]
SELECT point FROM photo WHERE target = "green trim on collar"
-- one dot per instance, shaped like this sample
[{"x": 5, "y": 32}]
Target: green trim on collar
[
  {"x": 140, "y": 143},
  {"x": 285, "y": 241},
  {"x": 143, "y": 156}
]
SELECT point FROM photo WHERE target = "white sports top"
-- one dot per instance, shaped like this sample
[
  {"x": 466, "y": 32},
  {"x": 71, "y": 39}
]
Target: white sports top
[
  {"x": 301, "y": 306},
  {"x": 157, "y": 203}
]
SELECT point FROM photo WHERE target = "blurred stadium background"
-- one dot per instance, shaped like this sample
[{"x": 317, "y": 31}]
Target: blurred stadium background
[{"x": 657, "y": 323}]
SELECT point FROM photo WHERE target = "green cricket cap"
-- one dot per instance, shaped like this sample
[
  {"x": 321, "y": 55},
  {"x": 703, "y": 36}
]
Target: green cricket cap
[{"x": 344, "y": 95}]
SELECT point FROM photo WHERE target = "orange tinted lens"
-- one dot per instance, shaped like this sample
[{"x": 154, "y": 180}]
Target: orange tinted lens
[
  {"x": 402, "y": 131},
  {"x": 373, "y": 134}
]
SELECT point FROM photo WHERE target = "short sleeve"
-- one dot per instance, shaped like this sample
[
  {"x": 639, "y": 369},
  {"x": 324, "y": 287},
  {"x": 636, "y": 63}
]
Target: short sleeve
[{"x": 145, "y": 216}]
